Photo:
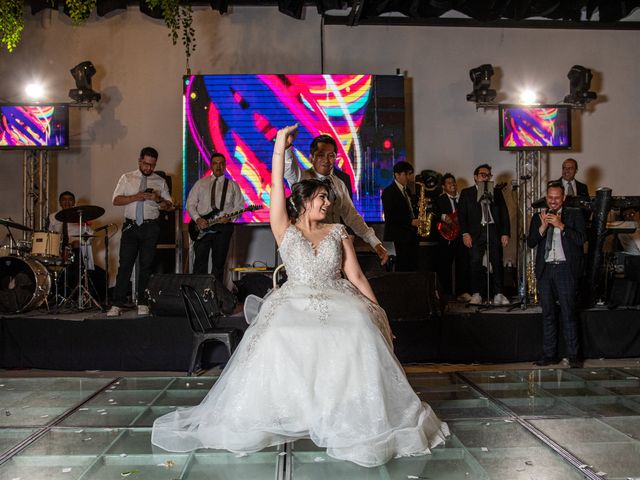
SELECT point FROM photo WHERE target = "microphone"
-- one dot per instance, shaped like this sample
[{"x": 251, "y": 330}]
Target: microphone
[{"x": 104, "y": 227}]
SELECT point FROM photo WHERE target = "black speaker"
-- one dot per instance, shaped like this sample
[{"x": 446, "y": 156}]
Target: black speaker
[
  {"x": 165, "y": 298},
  {"x": 624, "y": 292},
  {"x": 167, "y": 221},
  {"x": 409, "y": 295}
]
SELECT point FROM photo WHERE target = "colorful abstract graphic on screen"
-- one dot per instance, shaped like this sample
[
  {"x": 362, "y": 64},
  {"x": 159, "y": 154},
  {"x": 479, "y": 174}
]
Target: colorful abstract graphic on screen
[
  {"x": 39, "y": 126},
  {"x": 238, "y": 116},
  {"x": 533, "y": 127}
]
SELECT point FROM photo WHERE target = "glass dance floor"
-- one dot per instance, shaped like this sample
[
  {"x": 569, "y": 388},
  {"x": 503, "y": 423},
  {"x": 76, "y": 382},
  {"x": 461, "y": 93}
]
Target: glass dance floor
[{"x": 534, "y": 424}]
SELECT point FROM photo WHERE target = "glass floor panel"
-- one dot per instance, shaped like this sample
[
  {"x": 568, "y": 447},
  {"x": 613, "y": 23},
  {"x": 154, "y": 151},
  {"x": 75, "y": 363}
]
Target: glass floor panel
[
  {"x": 597, "y": 442},
  {"x": 596, "y": 416}
]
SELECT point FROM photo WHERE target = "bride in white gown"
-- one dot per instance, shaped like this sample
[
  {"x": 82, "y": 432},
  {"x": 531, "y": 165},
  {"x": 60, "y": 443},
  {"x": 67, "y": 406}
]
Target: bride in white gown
[{"x": 317, "y": 362}]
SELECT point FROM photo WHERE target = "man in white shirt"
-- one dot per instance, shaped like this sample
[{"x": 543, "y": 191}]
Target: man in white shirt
[
  {"x": 213, "y": 196},
  {"x": 143, "y": 194},
  {"x": 323, "y": 154}
]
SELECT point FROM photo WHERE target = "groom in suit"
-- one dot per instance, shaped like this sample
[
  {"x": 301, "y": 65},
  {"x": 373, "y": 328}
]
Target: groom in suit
[
  {"x": 558, "y": 234},
  {"x": 400, "y": 222}
]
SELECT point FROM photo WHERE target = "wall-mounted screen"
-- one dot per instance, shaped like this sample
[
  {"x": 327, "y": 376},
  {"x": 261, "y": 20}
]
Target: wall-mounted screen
[
  {"x": 28, "y": 127},
  {"x": 238, "y": 116},
  {"x": 537, "y": 127}
]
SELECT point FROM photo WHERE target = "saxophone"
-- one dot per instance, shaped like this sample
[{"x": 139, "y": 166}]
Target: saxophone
[
  {"x": 532, "y": 288},
  {"x": 424, "y": 217}
]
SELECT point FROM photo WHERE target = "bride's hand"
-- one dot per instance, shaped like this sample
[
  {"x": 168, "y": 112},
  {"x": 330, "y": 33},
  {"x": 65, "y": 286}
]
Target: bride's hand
[{"x": 286, "y": 135}]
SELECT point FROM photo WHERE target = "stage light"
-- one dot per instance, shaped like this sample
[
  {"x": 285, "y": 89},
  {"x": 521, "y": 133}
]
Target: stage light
[
  {"x": 579, "y": 85},
  {"x": 387, "y": 144},
  {"x": 34, "y": 91},
  {"x": 83, "y": 93},
  {"x": 528, "y": 97},
  {"x": 481, "y": 78}
]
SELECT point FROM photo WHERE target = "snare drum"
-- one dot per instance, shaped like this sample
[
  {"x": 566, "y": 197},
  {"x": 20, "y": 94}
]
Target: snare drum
[
  {"x": 45, "y": 245},
  {"x": 24, "y": 284}
]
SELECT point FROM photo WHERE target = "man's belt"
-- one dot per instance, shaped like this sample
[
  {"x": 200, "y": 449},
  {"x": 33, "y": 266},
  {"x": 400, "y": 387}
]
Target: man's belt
[{"x": 128, "y": 221}]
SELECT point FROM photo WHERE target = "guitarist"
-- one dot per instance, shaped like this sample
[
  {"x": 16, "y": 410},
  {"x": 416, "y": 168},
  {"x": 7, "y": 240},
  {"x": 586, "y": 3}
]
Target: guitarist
[
  {"x": 213, "y": 196},
  {"x": 452, "y": 254}
]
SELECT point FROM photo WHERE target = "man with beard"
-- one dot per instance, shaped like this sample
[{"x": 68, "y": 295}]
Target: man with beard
[
  {"x": 143, "y": 194},
  {"x": 558, "y": 234}
]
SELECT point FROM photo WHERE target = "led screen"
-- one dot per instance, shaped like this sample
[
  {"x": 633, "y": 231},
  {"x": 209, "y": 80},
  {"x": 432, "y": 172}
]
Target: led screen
[
  {"x": 34, "y": 126},
  {"x": 238, "y": 116},
  {"x": 534, "y": 128}
]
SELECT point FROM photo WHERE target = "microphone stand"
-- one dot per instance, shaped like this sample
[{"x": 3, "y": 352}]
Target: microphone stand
[{"x": 486, "y": 199}]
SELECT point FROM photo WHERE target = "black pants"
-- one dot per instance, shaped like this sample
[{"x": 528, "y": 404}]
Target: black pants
[
  {"x": 136, "y": 242},
  {"x": 558, "y": 284},
  {"x": 218, "y": 245},
  {"x": 478, "y": 248},
  {"x": 453, "y": 256}
]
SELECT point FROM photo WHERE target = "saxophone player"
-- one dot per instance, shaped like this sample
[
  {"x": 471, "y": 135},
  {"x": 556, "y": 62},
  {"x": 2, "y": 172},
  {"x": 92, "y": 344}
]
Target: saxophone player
[{"x": 400, "y": 219}]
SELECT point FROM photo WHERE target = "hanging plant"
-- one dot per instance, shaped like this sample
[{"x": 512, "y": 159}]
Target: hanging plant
[
  {"x": 11, "y": 23},
  {"x": 179, "y": 18},
  {"x": 79, "y": 10}
]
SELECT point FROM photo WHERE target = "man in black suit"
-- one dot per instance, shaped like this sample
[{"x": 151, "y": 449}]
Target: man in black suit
[
  {"x": 400, "y": 221},
  {"x": 572, "y": 187},
  {"x": 483, "y": 219},
  {"x": 559, "y": 234},
  {"x": 451, "y": 253}
]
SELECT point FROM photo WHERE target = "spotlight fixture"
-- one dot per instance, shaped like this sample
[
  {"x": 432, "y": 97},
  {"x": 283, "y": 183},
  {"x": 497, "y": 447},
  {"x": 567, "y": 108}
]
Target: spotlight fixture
[
  {"x": 83, "y": 93},
  {"x": 579, "y": 85},
  {"x": 481, "y": 78}
]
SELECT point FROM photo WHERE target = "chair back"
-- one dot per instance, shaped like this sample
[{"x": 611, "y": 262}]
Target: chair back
[
  {"x": 276, "y": 273},
  {"x": 200, "y": 318}
]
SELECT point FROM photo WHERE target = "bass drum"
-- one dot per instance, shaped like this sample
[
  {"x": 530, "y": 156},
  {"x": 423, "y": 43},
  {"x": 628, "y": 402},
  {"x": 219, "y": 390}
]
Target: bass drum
[{"x": 24, "y": 284}]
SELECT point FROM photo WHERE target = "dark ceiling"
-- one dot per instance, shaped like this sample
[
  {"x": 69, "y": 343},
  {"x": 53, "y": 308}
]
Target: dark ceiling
[{"x": 608, "y": 14}]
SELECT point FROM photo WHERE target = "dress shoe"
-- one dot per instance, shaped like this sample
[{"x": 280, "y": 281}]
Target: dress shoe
[
  {"x": 475, "y": 299},
  {"x": 575, "y": 363},
  {"x": 500, "y": 299},
  {"x": 114, "y": 312},
  {"x": 545, "y": 362},
  {"x": 143, "y": 310}
]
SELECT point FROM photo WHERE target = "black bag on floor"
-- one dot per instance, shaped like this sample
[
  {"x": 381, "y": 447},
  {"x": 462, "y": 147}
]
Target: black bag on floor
[{"x": 165, "y": 299}]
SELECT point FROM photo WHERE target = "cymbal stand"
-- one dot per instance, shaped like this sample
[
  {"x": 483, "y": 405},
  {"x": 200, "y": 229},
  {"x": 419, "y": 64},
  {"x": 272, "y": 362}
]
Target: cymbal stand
[{"x": 85, "y": 299}]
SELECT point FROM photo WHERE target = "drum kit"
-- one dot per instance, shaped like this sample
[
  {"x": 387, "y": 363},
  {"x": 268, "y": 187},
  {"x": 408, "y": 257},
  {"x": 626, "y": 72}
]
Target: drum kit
[{"x": 29, "y": 269}]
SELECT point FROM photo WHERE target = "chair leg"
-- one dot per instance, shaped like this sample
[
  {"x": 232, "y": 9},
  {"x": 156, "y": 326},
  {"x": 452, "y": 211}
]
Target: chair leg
[{"x": 197, "y": 348}]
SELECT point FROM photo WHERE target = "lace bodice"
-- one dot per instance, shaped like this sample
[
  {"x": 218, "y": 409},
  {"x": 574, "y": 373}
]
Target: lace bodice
[{"x": 312, "y": 266}]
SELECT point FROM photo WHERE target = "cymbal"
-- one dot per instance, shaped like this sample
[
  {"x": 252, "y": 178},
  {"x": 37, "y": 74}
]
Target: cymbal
[
  {"x": 11, "y": 224},
  {"x": 72, "y": 215},
  {"x": 84, "y": 235}
]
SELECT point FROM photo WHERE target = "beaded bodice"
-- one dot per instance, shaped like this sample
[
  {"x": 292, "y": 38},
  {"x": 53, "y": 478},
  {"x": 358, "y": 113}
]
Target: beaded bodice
[{"x": 308, "y": 265}]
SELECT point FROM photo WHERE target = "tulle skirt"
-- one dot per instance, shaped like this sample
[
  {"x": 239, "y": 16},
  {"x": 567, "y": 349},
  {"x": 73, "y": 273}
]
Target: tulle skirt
[{"x": 316, "y": 363}]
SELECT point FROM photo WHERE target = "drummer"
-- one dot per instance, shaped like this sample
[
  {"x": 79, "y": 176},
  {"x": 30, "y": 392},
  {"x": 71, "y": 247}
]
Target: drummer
[{"x": 71, "y": 231}]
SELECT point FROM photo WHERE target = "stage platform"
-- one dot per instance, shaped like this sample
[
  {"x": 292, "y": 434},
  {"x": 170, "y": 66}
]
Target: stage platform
[{"x": 92, "y": 341}]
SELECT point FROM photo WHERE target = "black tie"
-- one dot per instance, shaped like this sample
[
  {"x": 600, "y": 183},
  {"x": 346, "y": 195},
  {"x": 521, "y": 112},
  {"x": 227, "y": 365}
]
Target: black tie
[
  {"x": 213, "y": 194},
  {"x": 548, "y": 242}
]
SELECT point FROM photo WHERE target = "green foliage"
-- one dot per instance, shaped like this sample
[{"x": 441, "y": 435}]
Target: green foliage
[
  {"x": 79, "y": 10},
  {"x": 11, "y": 23},
  {"x": 179, "y": 18}
]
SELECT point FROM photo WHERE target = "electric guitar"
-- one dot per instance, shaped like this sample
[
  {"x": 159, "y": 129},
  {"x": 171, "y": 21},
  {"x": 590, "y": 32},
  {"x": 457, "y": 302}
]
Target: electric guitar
[{"x": 195, "y": 233}]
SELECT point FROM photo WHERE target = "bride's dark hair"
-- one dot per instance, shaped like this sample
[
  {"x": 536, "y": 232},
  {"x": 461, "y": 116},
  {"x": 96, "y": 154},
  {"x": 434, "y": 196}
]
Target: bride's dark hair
[{"x": 301, "y": 193}]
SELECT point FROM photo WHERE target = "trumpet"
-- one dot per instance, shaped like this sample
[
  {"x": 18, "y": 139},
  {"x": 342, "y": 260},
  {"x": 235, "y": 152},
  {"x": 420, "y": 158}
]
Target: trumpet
[{"x": 424, "y": 217}]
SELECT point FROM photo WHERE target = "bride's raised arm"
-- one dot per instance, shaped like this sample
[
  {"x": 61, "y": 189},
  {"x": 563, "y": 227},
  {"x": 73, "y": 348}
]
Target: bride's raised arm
[{"x": 278, "y": 217}]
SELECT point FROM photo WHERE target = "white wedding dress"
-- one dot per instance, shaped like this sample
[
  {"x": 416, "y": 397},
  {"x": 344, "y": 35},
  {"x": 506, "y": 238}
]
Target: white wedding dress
[{"x": 316, "y": 363}]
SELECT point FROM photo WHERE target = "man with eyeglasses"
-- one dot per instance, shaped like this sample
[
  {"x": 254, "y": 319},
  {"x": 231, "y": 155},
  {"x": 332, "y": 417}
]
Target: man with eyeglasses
[
  {"x": 484, "y": 217},
  {"x": 323, "y": 156},
  {"x": 143, "y": 194}
]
